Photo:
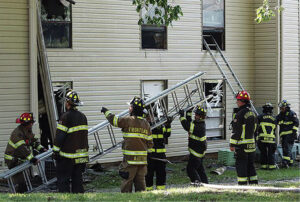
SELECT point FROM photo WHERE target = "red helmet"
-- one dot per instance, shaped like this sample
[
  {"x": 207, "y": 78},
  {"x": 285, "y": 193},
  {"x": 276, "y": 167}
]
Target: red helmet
[
  {"x": 243, "y": 95},
  {"x": 25, "y": 118}
]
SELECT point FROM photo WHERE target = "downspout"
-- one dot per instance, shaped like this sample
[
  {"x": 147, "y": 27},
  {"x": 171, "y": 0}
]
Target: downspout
[
  {"x": 279, "y": 55},
  {"x": 33, "y": 63}
]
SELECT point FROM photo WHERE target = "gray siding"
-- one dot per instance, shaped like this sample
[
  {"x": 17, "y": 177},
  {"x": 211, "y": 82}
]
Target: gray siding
[
  {"x": 106, "y": 63},
  {"x": 14, "y": 68},
  {"x": 290, "y": 53}
]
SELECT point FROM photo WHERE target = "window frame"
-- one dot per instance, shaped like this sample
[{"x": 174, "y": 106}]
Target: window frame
[{"x": 165, "y": 38}]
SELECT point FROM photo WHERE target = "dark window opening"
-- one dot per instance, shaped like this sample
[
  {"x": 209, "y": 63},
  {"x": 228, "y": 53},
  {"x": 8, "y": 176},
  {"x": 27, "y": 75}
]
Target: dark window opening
[
  {"x": 214, "y": 22},
  {"x": 154, "y": 37},
  {"x": 57, "y": 24}
]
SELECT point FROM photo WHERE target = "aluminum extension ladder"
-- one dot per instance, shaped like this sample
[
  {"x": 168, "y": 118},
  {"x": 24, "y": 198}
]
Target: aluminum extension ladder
[
  {"x": 24, "y": 168},
  {"x": 185, "y": 95},
  {"x": 209, "y": 41}
]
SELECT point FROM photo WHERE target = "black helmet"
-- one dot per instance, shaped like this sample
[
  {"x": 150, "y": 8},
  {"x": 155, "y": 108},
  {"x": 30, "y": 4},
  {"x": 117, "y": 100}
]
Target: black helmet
[
  {"x": 200, "y": 111},
  {"x": 138, "y": 106},
  {"x": 73, "y": 98},
  {"x": 284, "y": 103},
  {"x": 267, "y": 108}
]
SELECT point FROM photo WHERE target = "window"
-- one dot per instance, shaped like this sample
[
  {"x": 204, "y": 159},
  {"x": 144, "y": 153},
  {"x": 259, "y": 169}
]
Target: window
[
  {"x": 214, "y": 22},
  {"x": 153, "y": 37},
  {"x": 57, "y": 24}
]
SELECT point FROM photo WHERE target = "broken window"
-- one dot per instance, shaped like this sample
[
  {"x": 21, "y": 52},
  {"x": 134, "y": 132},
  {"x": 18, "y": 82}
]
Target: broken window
[
  {"x": 57, "y": 23},
  {"x": 214, "y": 22},
  {"x": 153, "y": 36}
]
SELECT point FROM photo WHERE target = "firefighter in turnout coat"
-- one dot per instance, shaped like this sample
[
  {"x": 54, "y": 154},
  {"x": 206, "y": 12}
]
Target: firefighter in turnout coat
[
  {"x": 196, "y": 143},
  {"x": 266, "y": 138},
  {"x": 288, "y": 123},
  {"x": 137, "y": 140},
  {"x": 71, "y": 146},
  {"x": 242, "y": 140},
  {"x": 157, "y": 154},
  {"x": 20, "y": 148}
]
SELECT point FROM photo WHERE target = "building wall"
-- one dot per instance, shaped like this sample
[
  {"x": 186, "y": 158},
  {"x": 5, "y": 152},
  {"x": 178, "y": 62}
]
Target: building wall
[
  {"x": 266, "y": 62},
  {"x": 14, "y": 66},
  {"x": 290, "y": 54},
  {"x": 106, "y": 63}
]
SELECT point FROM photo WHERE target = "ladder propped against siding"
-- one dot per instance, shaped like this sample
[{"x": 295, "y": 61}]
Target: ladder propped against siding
[{"x": 231, "y": 79}]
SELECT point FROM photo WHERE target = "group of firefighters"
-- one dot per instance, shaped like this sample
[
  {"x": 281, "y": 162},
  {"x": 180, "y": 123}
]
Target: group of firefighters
[{"x": 144, "y": 152}]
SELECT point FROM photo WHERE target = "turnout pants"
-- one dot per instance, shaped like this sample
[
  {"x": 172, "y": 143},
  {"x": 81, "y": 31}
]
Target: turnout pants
[
  {"x": 195, "y": 169},
  {"x": 245, "y": 167},
  {"x": 267, "y": 155},
  {"x": 287, "y": 147},
  {"x": 158, "y": 167},
  {"x": 136, "y": 176},
  {"x": 18, "y": 179},
  {"x": 66, "y": 171}
]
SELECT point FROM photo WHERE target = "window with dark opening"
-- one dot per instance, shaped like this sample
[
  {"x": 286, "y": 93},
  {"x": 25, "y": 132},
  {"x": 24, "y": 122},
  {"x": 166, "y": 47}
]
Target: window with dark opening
[
  {"x": 154, "y": 37},
  {"x": 214, "y": 22},
  {"x": 57, "y": 23}
]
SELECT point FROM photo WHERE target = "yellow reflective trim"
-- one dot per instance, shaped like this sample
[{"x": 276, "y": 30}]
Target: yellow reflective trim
[
  {"x": 168, "y": 129},
  {"x": 233, "y": 141},
  {"x": 115, "y": 121},
  {"x": 40, "y": 147},
  {"x": 266, "y": 135},
  {"x": 55, "y": 148},
  {"x": 137, "y": 135},
  {"x": 62, "y": 127},
  {"x": 107, "y": 113},
  {"x": 272, "y": 166},
  {"x": 253, "y": 178},
  {"x": 192, "y": 126},
  {"x": 285, "y": 122},
  {"x": 295, "y": 128},
  {"x": 250, "y": 150},
  {"x": 149, "y": 188},
  {"x": 264, "y": 166},
  {"x": 182, "y": 118},
  {"x": 157, "y": 136},
  {"x": 196, "y": 154},
  {"x": 29, "y": 157},
  {"x": 189, "y": 113},
  {"x": 139, "y": 117},
  {"x": 263, "y": 126},
  {"x": 160, "y": 187},
  {"x": 286, "y": 132},
  {"x": 246, "y": 141},
  {"x": 137, "y": 162},
  {"x": 201, "y": 139},
  {"x": 128, "y": 152},
  {"x": 77, "y": 128},
  {"x": 73, "y": 155},
  {"x": 242, "y": 179},
  {"x": 243, "y": 132},
  {"x": 8, "y": 157},
  {"x": 287, "y": 158},
  {"x": 15, "y": 146},
  {"x": 164, "y": 129}
]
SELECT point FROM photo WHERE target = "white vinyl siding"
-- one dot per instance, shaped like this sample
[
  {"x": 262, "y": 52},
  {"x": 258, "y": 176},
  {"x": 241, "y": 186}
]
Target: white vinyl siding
[
  {"x": 266, "y": 73},
  {"x": 106, "y": 62},
  {"x": 290, "y": 53},
  {"x": 14, "y": 66}
]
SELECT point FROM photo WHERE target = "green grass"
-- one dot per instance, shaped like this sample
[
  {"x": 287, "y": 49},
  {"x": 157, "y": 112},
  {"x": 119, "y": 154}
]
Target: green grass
[{"x": 174, "y": 194}]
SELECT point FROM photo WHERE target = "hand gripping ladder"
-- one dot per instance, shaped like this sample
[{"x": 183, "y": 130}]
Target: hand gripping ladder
[
  {"x": 24, "y": 168},
  {"x": 209, "y": 41},
  {"x": 185, "y": 95}
]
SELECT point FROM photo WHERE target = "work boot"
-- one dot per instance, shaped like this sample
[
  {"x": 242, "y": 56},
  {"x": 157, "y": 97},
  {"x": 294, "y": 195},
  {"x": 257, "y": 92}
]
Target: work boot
[{"x": 196, "y": 183}]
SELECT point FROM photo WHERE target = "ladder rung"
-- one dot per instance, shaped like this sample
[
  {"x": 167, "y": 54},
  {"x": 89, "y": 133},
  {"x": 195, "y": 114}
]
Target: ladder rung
[
  {"x": 212, "y": 44},
  {"x": 206, "y": 35}
]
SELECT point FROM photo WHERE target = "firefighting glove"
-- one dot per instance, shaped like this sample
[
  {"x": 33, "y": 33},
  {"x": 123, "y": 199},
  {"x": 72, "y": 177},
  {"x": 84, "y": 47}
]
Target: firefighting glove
[
  {"x": 103, "y": 110},
  {"x": 181, "y": 112},
  {"x": 34, "y": 161},
  {"x": 169, "y": 120},
  {"x": 124, "y": 175},
  {"x": 55, "y": 156}
]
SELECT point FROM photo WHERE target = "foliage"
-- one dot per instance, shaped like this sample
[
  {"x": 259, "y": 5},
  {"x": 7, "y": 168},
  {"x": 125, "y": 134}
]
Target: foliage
[
  {"x": 164, "y": 13},
  {"x": 265, "y": 13}
]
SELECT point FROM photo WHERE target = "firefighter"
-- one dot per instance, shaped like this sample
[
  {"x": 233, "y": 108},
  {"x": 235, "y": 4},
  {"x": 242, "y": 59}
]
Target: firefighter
[
  {"x": 137, "y": 140},
  {"x": 71, "y": 146},
  {"x": 288, "y": 123},
  {"x": 196, "y": 143},
  {"x": 266, "y": 139},
  {"x": 242, "y": 140},
  {"x": 157, "y": 155},
  {"x": 20, "y": 148}
]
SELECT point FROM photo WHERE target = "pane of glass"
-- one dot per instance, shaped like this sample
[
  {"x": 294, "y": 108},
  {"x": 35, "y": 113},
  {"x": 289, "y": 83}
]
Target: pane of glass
[
  {"x": 57, "y": 35},
  {"x": 213, "y": 13},
  {"x": 55, "y": 11},
  {"x": 154, "y": 37}
]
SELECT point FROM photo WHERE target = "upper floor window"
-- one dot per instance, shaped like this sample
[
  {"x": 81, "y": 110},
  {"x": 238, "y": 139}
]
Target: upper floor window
[
  {"x": 214, "y": 21},
  {"x": 57, "y": 23},
  {"x": 153, "y": 36}
]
